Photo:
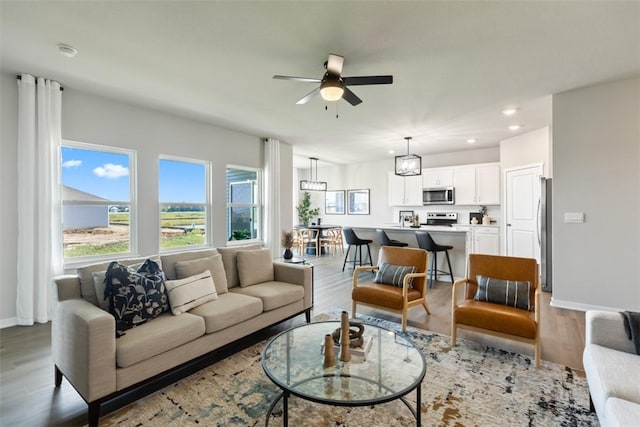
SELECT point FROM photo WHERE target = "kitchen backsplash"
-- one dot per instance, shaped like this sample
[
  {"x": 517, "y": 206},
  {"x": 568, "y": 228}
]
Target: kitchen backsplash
[{"x": 494, "y": 212}]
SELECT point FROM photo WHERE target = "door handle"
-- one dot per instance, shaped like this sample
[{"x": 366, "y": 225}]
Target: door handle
[
  {"x": 508, "y": 225},
  {"x": 538, "y": 221}
]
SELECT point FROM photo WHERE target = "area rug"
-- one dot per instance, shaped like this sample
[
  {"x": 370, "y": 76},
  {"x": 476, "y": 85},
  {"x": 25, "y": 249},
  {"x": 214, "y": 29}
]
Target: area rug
[{"x": 468, "y": 385}]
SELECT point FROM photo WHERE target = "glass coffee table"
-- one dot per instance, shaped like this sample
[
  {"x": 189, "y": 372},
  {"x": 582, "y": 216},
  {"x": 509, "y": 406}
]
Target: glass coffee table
[{"x": 294, "y": 362}]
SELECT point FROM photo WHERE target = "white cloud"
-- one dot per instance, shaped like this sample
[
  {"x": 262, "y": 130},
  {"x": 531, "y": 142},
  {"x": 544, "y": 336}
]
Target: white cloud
[
  {"x": 71, "y": 163},
  {"x": 111, "y": 171}
]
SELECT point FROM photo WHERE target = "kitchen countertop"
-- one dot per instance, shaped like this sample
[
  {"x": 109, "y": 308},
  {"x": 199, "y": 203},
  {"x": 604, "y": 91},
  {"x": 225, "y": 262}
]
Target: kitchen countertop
[{"x": 396, "y": 227}]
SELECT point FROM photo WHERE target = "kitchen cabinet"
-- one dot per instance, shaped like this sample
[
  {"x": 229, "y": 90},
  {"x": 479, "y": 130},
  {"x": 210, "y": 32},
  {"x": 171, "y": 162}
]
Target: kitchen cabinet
[
  {"x": 405, "y": 190},
  {"x": 437, "y": 177},
  {"x": 477, "y": 184},
  {"x": 482, "y": 239},
  {"x": 486, "y": 240}
]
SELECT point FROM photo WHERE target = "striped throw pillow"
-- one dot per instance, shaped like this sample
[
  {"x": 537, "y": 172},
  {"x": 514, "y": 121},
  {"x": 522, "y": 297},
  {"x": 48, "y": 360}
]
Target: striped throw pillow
[
  {"x": 185, "y": 294},
  {"x": 506, "y": 292},
  {"x": 390, "y": 274}
]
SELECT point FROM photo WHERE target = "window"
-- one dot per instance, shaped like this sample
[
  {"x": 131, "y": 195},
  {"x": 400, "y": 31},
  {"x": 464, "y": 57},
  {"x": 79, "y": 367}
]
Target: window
[
  {"x": 183, "y": 202},
  {"x": 98, "y": 201},
  {"x": 244, "y": 204}
]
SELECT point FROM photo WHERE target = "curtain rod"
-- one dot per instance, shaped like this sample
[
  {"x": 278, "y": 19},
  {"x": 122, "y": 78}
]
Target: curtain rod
[{"x": 19, "y": 77}]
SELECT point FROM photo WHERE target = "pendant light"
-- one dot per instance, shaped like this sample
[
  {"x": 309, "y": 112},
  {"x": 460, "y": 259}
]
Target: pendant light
[
  {"x": 311, "y": 184},
  {"x": 409, "y": 164}
]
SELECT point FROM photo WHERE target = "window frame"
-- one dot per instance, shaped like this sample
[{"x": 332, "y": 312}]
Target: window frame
[
  {"x": 73, "y": 262},
  {"x": 207, "y": 205},
  {"x": 258, "y": 205}
]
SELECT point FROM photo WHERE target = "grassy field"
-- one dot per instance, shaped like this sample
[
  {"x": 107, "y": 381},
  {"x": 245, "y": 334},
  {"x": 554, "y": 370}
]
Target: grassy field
[{"x": 115, "y": 238}]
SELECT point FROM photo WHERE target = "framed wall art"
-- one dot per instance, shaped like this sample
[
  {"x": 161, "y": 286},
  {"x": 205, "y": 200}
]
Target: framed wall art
[
  {"x": 334, "y": 202},
  {"x": 358, "y": 202}
]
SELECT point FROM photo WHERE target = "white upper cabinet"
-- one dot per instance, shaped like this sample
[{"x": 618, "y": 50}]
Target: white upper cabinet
[
  {"x": 477, "y": 184},
  {"x": 405, "y": 190},
  {"x": 437, "y": 177}
]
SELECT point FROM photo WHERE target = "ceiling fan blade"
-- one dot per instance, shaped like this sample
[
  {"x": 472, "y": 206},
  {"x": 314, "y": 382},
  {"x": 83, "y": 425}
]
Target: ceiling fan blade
[
  {"x": 299, "y": 79},
  {"x": 367, "y": 80},
  {"x": 351, "y": 97},
  {"x": 334, "y": 64},
  {"x": 308, "y": 96}
]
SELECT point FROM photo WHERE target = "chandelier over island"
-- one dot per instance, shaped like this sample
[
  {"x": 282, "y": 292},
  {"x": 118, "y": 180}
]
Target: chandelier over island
[{"x": 409, "y": 164}]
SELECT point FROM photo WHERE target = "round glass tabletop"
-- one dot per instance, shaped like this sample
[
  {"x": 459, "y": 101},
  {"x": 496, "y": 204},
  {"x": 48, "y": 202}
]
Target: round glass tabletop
[{"x": 392, "y": 367}]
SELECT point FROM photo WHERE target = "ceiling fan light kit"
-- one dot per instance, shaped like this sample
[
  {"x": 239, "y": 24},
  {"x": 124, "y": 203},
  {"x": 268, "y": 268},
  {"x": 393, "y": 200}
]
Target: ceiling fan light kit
[
  {"x": 310, "y": 184},
  {"x": 331, "y": 89},
  {"x": 408, "y": 164}
]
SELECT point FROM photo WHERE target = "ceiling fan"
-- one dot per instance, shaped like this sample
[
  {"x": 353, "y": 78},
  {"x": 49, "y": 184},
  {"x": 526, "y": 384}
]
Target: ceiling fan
[{"x": 333, "y": 86}]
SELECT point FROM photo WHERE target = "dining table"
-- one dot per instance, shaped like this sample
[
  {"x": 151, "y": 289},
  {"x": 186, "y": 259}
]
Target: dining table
[{"x": 318, "y": 230}]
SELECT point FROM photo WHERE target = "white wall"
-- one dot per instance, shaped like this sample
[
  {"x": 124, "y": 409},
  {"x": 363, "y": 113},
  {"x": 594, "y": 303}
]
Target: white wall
[
  {"x": 98, "y": 120},
  {"x": 529, "y": 148},
  {"x": 596, "y": 155}
]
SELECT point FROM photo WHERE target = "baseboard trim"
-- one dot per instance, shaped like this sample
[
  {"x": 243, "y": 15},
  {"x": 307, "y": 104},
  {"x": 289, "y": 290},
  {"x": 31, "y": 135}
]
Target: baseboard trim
[
  {"x": 570, "y": 305},
  {"x": 7, "y": 323}
]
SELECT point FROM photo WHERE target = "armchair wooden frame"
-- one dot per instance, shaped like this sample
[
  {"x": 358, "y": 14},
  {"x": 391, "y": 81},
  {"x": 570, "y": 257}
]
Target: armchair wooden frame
[
  {"x": 508, "y": 265},
  {"x": 394, "y": 255}
]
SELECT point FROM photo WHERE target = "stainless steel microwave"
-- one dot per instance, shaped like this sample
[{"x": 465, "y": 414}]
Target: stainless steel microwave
[{"x": 438, "y": 196}]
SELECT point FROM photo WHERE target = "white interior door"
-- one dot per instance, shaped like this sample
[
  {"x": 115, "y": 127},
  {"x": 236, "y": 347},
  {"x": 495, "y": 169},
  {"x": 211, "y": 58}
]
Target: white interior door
[{"x": 522, "y": 198}]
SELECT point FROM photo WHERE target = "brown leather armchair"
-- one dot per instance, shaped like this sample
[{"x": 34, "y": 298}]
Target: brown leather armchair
[
  {"x": 497, "y": 319},
  {"x": 389, "y": 297}
]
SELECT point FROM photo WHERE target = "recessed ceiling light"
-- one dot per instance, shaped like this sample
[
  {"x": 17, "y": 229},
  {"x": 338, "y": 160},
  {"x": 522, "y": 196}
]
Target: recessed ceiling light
[
  {"x": 514, "y": 127},
  {"x": 509, "y": 111},
  {"x": 391, "y": 152},
  {"x": 471, "y": 140},
  {"x": 66, "y": 50}
]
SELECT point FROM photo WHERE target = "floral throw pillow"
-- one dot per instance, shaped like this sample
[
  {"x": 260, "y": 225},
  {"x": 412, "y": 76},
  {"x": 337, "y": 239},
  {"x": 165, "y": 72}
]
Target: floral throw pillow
[{"x": 135, "y": 296}]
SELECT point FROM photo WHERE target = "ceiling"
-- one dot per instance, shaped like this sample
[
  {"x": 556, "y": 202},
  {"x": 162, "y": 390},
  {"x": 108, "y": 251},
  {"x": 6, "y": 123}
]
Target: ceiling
[{"x": 455, "y": 65}]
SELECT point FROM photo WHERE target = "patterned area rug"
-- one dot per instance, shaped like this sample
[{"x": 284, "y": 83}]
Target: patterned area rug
[{"x": 469, "y": 385}]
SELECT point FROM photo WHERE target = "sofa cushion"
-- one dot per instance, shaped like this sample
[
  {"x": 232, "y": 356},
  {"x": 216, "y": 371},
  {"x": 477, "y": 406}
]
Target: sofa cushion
[
  {"x": 273, "y": 294},
  {"x": 212, "y": 263},
  {"x": 164, "y": 333},
  {"x": 229, "y": 257},
  {"x": 611, "y": 373},
  {"x": 390, "y": 274},
  {"x": 228, "y": 310},
  {"x": 85, "y": 274},
  {"x": 135, "y": 296},
  {"x": 169, "y": 261},
  {"x": 255, "y": 267},
  {"x": 185, "y": 294},
  {"x": 507, "y": 292},
  {"x": 621, "y": 413}
]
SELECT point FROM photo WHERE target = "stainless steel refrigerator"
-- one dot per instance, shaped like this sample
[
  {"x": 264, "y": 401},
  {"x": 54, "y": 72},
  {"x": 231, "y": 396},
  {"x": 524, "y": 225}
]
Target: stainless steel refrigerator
[{"x": 544, "y": 234}]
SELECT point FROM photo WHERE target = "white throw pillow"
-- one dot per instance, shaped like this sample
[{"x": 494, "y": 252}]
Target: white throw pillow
[{"x": 185, "y": 294}]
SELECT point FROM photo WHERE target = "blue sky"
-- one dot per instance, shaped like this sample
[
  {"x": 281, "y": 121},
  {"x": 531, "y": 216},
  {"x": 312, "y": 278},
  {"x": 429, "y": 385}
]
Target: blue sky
[{"x": 106, "y": 175}]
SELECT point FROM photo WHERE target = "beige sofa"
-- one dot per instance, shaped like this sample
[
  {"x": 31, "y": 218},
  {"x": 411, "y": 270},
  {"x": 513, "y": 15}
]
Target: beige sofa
[
  {"x": 612, "y": 369},
  {"x": 101, "y": 367}
]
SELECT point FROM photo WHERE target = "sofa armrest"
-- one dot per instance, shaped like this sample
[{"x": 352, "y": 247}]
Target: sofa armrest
[
  {"x": 297, "y": 274},
  {"x": 606, "y": 328},
  {"x": 68, "y": 287},
  {"x": 83, "y": 342}
]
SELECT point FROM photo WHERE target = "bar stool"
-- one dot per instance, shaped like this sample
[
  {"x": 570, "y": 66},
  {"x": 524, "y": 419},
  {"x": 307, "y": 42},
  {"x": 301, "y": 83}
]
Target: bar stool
[
  {"x": 386, "y": 241},
  {"x": 426, "y": 242},
  {"x": 353, "y": 240}
]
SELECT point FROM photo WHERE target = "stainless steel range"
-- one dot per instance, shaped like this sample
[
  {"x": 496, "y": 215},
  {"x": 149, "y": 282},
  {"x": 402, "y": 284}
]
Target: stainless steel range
[{"x": 441, "y": 218}]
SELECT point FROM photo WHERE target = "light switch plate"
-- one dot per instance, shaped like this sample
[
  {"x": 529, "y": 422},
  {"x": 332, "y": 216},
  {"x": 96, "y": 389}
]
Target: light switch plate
[{"x": 574, "y": 217}]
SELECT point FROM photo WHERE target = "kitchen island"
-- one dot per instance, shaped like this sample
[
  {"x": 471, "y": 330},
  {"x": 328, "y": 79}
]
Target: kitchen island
[{"x": 458, "y": 237}]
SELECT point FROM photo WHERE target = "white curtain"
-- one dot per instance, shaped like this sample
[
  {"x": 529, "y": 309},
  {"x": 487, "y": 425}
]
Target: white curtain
[
  {"x": 39, "y": 224},
  {"x": 272, "y": 195}
]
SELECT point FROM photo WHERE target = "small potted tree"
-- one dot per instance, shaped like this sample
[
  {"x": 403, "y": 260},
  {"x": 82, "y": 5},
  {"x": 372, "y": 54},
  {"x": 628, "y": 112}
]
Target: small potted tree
[{"x": 305, "y": 212}]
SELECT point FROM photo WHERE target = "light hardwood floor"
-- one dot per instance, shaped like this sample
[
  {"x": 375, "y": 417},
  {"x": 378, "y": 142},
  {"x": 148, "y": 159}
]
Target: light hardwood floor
[{"x": 29, "y": 398}]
